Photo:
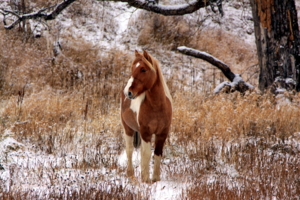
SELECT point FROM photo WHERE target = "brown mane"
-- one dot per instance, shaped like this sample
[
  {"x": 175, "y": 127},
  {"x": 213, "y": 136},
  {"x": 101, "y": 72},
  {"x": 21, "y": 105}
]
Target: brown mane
[
  {"x": 156, "y": 66},
  {"x": 162, "y": 79}
]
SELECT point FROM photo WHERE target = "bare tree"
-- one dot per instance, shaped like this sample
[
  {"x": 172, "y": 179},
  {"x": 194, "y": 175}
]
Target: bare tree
[{"x": 277, "y": 42}]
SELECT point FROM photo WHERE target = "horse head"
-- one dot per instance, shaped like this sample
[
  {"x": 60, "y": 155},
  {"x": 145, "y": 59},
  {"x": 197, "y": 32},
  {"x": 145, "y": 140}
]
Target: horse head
[{"x": 143, "y": 75}]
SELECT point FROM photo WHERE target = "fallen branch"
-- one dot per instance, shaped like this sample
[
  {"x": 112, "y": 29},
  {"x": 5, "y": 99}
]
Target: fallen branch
[{"x": 236, "y": 81}]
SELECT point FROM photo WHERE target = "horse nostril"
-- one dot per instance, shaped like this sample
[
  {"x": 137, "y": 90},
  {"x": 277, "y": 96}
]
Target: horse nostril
[{"x": 129, "y": 94}]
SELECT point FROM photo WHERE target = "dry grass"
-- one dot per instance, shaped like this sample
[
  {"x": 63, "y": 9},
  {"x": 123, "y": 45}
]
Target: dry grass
[
  {"x": 67, "y": 109},
  {"x": 233, "y": 116},
  {"x": 78, "y": 65},
  {"x": 26, "y": 6},
  {"x": 168, "y": 31},
  {"x": 45, "y": 95}
]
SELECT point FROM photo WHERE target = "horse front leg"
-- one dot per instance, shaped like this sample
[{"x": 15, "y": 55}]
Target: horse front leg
[
  {"x": 129, "y": 151},
  {"x": 145, "y": 159},
  {"x": 156, "y": 168},
  {"x": 159, "y": 144}
]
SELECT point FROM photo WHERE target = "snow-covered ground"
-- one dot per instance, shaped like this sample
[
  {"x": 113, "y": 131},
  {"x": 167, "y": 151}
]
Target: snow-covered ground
[{"x": 44, "y": 176}]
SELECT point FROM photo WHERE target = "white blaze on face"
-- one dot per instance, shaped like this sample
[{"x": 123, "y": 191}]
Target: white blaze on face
[
  {"x": 135, "y": 105},
  {"x": 137, "y": 65},
  {"x": 129, "y": 83}
]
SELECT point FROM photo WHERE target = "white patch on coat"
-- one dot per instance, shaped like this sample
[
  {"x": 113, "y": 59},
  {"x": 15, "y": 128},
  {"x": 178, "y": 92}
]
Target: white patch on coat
[
  {"x": 137, "y": 65},
  {"x": 135, "y": 105},
  {"x": 129, "y": 83}
]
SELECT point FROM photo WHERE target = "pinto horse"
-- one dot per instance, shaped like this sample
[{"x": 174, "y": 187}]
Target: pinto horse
[{"x": 146, "y": 109}]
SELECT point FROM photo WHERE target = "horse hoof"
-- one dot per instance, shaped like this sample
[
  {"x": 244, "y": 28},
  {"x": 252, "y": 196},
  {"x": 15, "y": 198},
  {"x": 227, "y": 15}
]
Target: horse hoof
[
  {"x": 146, "y": 180},
  {"x": 155, "y": 179}
]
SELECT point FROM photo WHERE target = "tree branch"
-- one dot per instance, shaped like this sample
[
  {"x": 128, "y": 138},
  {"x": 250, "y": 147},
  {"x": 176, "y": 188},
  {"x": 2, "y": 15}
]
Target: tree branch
[
  {"x": 58, "y": 8},
  {"x": 209, "y": 58},
  {"x": 237, "y": 83},
  {"x": 168, "y": 10}
]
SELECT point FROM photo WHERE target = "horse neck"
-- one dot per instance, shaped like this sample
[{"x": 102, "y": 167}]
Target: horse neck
[{"x": 156, "y": 95}]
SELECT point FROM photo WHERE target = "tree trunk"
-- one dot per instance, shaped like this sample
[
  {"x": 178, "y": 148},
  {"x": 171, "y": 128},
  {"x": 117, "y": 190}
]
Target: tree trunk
[{"x": 277, "y": 41}]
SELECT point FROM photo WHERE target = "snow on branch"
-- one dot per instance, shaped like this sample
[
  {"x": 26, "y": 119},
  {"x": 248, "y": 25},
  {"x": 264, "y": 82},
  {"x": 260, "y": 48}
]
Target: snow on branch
[
  {"x": 237, "y": 83},
  {"x": 209, "y": 58},
  {"x": 168, "y": 9},
  {"x": 41, "y": 13}
]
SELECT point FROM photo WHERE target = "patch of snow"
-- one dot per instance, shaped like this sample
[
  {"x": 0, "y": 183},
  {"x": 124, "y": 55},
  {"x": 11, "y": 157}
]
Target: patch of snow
[
  {"x": 290, "y": 81},
  {"x": 165, "y": 190},
  {"x": 122, "y": 161},
  {"x": 280, "y": 90},
  {"x": 232, "y": 84},
  {"x": 220, "y": 86},
  {"x": 237, "y": 79},
  {"x": 297, "y": 135},
  {"x": 8, "y": 145}
]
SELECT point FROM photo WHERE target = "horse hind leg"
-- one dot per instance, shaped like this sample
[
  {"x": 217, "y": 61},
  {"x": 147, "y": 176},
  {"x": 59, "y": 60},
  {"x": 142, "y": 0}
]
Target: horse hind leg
[{"x": 159, "y": 143}]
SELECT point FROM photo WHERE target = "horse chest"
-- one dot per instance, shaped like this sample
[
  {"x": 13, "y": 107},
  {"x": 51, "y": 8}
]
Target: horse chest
[
  {"x": 135, "y": 105},
  {"x": 144, "y": 114},
  {"x": 153, "y": 119}
]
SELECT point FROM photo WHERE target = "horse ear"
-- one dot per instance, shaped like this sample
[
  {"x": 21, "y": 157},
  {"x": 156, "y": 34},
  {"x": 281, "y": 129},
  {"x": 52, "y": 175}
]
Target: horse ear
[
  {"x": 136, "y": 53},
  {"x": 147, "y": 56}
]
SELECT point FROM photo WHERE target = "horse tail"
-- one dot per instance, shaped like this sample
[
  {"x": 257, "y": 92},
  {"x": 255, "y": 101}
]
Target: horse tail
[{"x": 136, "y": 140}]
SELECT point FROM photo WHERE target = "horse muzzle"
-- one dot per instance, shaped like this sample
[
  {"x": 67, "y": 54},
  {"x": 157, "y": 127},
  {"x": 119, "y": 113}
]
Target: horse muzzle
[{"x": 127, "y": 91}]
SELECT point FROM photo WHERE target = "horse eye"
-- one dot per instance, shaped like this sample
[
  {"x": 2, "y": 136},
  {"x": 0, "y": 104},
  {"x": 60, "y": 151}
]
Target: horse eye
[{"x": 143, "y": 70}]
